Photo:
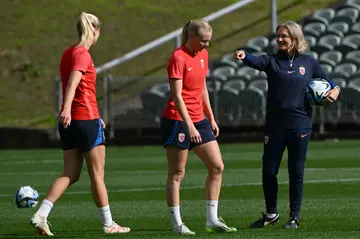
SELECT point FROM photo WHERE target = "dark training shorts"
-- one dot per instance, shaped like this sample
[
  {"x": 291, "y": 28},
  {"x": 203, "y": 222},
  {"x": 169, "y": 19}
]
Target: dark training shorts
[
  {"x": 82, "y": 134},
  {"x": 175, "y": 132}
]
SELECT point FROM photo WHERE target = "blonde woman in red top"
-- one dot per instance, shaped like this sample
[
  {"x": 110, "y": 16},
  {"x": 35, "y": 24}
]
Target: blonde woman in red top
[
  {"x": 80, "y": 128},
  {"x": 184, "y": 125}
]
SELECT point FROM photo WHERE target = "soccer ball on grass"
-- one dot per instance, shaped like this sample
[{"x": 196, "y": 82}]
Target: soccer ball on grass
[{"x": 26, "y": 197}]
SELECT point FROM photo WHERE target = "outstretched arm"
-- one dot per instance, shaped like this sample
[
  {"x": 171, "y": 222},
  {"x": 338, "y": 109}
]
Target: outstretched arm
[{"x": 257, "y": 62}]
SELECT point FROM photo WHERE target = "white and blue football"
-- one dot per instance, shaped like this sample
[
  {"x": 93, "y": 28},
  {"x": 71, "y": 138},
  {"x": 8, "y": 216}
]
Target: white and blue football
[
  {"x": 26, "y": 197},
  {"x": 316, "y": 90}
]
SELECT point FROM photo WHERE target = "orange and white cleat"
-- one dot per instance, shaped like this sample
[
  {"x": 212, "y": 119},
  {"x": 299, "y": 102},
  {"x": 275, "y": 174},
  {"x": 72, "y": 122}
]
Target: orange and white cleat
[
  {"x": 41, "y": 224},
  {"x": 115, "y": 228}
]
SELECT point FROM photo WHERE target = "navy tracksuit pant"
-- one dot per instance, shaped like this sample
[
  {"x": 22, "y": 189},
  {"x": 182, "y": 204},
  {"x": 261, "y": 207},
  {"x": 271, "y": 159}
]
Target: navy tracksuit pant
[{"x": 296, "y": 141}]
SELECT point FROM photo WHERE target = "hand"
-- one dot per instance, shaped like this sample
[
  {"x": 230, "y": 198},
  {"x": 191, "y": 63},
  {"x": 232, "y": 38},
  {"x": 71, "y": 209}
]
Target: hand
[
  {"x": 214, "y": 128},
  {"x": 194, "y": 135},
  {"x": 331, "y": 96},
  {"x": 103, "y": 124},
  {"x": 239, "y": 55},
  {"x": 65, "y": 118}
]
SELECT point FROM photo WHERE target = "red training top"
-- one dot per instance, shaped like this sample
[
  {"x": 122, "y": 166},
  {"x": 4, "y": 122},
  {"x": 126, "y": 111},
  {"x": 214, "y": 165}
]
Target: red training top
[
  {"x": 84, "y": 105},
  {"x": 191, "y": 69}
]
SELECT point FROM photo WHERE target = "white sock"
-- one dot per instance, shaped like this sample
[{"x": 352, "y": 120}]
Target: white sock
[
  {"x": 175, "y": 216},
  {"x": 211, "y": 211},
  {"x": 270, "y": 215},
  {"x": 45, "y": 208},
  {"x": 106, "y": 217}
]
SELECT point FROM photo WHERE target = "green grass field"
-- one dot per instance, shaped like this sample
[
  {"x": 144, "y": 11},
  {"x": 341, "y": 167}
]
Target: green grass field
[
  {"x": 35, "y": 36},
  {"x": 136, "y": 177}
]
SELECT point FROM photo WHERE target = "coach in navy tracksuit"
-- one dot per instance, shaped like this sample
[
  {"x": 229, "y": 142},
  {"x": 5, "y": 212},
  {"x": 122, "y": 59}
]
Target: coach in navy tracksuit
[{"x": 288, "y": 118}]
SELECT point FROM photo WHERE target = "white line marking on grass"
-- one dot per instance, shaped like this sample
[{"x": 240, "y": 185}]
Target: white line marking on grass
[
  {"x": 133, "y": 172},
  {"x": 339, "y": 180},
  {"x": 33, "y": 162},
  {"x": 31, "y": 173}
]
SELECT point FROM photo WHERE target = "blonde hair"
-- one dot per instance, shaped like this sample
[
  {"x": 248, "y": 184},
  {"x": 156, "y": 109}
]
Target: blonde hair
[
  {"x": 296, "y": 33},
  {"x": 195, "y": 26},
  {"x": 86, "y": 25}
]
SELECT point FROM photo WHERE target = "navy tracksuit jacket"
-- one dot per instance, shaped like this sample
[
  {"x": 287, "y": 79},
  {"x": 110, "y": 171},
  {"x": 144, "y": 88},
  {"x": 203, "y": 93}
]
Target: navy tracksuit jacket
[{"x": 288, "y": 121}]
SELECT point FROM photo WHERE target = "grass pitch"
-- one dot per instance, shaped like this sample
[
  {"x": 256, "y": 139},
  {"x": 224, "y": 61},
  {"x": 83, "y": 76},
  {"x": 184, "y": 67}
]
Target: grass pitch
[{"x": 136, "y": 179}]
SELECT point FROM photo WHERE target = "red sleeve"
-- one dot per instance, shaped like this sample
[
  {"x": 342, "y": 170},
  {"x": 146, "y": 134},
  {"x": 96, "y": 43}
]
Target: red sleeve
[
  {"x": 176, "y": 67},
  {"x": 81, "y": 61}
]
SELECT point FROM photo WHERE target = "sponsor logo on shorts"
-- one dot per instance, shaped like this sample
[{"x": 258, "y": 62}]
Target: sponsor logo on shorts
[{"x": 181, "y": 137}]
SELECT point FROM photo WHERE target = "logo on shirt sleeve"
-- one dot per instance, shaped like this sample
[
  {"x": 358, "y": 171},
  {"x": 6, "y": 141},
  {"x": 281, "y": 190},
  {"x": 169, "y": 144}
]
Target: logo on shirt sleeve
[
  {"x": 202, "y": 63},
  {"x": 302, "y": 70}
]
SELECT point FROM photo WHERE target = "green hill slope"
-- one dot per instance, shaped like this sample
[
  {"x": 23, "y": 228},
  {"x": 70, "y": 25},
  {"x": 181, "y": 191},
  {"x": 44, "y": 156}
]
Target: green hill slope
[{"x": 35, "y": 33}]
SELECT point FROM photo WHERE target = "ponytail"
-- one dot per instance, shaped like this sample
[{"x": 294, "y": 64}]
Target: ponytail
[
  {"x": 185, "y": 33},
  {"x": 194, "y": 26},
  {"x": 86, "y": 26}
]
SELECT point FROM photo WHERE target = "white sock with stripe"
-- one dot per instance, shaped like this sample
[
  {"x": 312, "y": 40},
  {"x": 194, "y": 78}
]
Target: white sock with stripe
[
  {"x": 175, "y": 216},
  {"x": 106, "y": 217},
  {"x": 212, "y": 212},
  {"x": 45, "y": 208}
]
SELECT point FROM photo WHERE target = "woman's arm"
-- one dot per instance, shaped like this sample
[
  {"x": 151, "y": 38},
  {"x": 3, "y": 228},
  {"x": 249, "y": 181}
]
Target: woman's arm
[
  {"x": 176, "y": 86},
  {"x": 206, "y": 102},
  {"x": 257, "y": 62},
  {"x": 318, "y": 72},
  {"x": 74, "y": 80},
  {"x": 208, "y": 110}
]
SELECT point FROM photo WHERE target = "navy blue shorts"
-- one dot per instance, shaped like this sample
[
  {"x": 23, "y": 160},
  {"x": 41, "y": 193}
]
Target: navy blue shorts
[
  {"x": 175, "y": 132},
  {"x": 82, "y": 134}
]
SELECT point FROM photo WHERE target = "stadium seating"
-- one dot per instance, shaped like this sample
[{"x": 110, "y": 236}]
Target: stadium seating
[
  {"x": 155, "y": 99},
  {"x": 333, "y": 36}
]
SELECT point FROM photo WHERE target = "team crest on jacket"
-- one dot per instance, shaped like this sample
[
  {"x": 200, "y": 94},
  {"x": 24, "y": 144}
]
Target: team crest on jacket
[
  {"x": 202, "y": 63},
  {"x": 181, "y": 137},
  {"x": 302, "y": 70}
]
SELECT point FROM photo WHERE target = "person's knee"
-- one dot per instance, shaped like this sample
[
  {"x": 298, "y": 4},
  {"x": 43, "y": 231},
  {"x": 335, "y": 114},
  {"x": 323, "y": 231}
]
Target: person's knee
[
  {"x": 217, "y": 169},
  {"x": 269, "y": 172},
  {"x": 177, "y": 175},
  {"x": 97, "y": 176},
  {"x": 296, "y": 172},
  {"x": 269, "y": 168},
  {"x": 73, "y": 177}
]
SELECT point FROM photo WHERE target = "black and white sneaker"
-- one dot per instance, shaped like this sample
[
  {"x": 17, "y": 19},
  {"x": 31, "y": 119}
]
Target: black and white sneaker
[
  {"x": 265, "y": 220},
  {"x": 292, "y": 223}
]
